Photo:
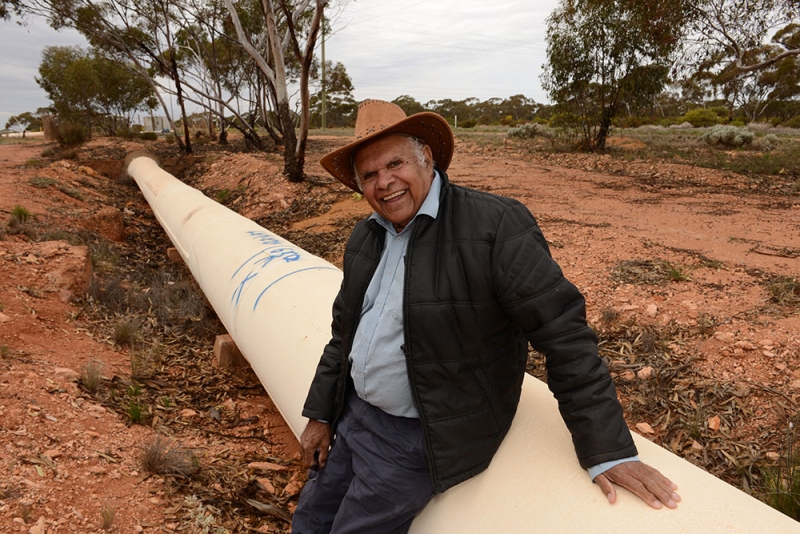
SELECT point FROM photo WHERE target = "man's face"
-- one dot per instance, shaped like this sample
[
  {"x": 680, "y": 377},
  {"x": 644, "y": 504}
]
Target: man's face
[{"x": 393, "y": 181}]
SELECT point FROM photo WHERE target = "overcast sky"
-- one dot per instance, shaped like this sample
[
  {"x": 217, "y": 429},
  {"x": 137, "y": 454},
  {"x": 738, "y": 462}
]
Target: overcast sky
[{"x": 428, "y": 49}]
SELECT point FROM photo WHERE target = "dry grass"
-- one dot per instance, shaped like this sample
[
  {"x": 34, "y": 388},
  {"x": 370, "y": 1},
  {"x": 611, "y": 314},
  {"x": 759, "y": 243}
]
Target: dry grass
[
  {"x": 126, "y": 331},
  {"x": 785, "y": 291},
  {"x": 92, "y": 376},
  {"x": 165, "y": 457},
  {"x": 107, "y": 515}
]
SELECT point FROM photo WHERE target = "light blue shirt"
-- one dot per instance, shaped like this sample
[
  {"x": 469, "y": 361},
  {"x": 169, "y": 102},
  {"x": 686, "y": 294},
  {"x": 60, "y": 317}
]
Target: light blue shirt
[{"x": 379, "y": 367}]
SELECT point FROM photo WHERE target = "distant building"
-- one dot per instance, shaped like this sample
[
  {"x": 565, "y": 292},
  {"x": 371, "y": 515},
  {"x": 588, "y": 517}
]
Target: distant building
[{"x": 155, "y": 124}]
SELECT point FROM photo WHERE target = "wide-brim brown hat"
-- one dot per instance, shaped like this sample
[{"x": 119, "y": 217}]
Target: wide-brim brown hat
[{"x": 377, "y": 118}]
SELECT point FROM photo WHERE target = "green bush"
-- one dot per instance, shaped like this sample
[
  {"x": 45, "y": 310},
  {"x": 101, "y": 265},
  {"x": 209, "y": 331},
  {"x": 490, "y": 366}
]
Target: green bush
[
  {"x": 41, "y": 182},
  {"x": 794, "y": 122},
  {"x": 148, "y": 136},
  {"x": 20, "y": 215},
  {"x": 766, "y": 143},
  {"x": 721, "y": 111},
  {"x": 49, "y": 152},
  {"x": 529, "y": 131},
  {"x": 728, "y": 136},
  {"x": 70, "y": 134},
  {"x": 700, "y": 117}
]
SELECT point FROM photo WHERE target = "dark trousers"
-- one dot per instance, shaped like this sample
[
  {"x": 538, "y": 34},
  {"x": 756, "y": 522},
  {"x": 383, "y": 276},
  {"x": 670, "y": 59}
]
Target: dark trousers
[{"x": 376, "y": 479}]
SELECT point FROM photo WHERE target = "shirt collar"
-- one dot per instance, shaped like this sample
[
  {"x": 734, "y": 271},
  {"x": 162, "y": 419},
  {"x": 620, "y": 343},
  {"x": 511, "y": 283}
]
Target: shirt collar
[{"x": 430, "y": 206}]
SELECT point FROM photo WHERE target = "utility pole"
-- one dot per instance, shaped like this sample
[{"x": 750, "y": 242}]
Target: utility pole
[{"x": 323, "y": 72}]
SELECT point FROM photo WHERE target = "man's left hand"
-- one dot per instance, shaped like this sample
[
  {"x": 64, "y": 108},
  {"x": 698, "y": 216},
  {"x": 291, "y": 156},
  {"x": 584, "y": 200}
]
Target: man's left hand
[{"x": 651, "y": 486}]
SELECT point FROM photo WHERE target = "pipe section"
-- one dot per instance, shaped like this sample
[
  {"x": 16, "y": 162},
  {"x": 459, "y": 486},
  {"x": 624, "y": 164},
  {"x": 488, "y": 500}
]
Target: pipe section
[{"x": 275, "y": 300}]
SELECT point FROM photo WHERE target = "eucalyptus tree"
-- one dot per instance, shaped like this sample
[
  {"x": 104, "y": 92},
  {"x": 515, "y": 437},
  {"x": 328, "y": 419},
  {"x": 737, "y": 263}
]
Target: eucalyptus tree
[
  {"x": 745, "y": 50},
  {"x": 292, "y": 28},
  {"x": 601, "y": 52},
  {"x": 88, "y": 88},
  {"x": 340, "y": 106},
  {"x": 737, "y": 33},
  {"x": 126, "y": 31}
]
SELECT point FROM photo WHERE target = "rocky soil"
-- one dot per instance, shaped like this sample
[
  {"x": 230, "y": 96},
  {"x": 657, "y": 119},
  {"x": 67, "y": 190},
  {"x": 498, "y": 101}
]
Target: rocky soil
[{"x": 690, "y": 277}]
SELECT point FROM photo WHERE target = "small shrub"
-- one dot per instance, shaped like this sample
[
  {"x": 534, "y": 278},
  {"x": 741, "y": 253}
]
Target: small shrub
[
  {"x": 609, "y": 316},
  {"x": 148, "y": 136},
  {"x": 41, "y": 182},
  {"x": 33, "y": 163},
  {"x": 70, "y": 134},
  {"x": 676, "y": 273},
  {"x": 71, "y": 192},
  {"x": 92, "y": 376},
  {"x": 107, "y": 514},
  {"x": 163, "y": 457},
  {"x": 782, "y": 482},
  {"x": 136, "y": 411},
  {"x": 4, "y": 351},
  {"x": 766, "y": 143},
  {"x": 49, "y": 152},
  {"x": 785, "y": 291},
  {"x": 126, "y": 332},
  {"x": 794, "y": 122},
  {"x": 25, "y": 511},
  {"x": 222, "y": 195},
  {"x": 529, "y": 131},
  {"x": 20, "y": 215},
  {"x": 143, "y": 361},
  {"x": 700, "y": 117},
  {"x": 728, "y": 136},
  {"x": 69, "y": 153}
]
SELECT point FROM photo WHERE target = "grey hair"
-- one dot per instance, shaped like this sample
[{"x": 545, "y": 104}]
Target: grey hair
[{"x": 419, "y": 153}]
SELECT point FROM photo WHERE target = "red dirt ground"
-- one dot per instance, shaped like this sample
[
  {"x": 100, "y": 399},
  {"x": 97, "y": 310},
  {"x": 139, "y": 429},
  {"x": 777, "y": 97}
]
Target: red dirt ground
[{"x": 64, "y": 458}]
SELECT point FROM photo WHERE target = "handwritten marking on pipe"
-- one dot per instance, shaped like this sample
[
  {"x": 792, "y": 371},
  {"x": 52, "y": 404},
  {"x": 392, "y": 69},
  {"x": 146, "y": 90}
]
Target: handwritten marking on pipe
[
  {"x": 258, "y": 262},
  {"x": 286, "y": 276}
]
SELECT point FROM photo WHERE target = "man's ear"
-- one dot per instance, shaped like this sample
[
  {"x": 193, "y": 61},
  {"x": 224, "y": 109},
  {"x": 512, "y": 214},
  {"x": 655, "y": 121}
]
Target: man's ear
[{"x": 428, "y": 157}]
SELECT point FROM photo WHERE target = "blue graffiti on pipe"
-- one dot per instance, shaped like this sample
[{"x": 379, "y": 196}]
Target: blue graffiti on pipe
[
  {"x": 260, "y": 260},
  {"x": 286, "y": 276}
]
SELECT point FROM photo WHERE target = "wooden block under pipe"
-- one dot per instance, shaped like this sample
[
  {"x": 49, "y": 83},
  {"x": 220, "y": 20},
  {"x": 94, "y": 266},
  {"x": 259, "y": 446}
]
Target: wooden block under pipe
[
  {"x": 174, "y": 255},
  {"x": 227, "y": 354}
]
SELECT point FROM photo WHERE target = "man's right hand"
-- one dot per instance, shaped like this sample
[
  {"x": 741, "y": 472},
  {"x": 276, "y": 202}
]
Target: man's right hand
[{"x": 315, "y": 438}]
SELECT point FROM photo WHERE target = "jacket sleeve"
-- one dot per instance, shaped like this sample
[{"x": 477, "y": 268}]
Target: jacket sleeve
[
  {"x": 550, "y": 311},
  {"x": 321, "y": 400}
]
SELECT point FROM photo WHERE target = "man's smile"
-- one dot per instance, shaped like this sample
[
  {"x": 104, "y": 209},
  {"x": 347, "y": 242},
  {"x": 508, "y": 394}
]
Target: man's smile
[{"x": 394, "y": 195}]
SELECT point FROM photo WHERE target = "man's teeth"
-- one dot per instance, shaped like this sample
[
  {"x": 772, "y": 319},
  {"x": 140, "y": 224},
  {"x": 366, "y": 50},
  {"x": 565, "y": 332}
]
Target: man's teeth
[{"x": 393, "y": 195}]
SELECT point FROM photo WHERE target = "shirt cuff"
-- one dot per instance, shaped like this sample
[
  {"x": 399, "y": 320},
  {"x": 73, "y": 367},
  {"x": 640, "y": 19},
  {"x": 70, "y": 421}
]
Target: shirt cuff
[{"x": 599, "y": 469}]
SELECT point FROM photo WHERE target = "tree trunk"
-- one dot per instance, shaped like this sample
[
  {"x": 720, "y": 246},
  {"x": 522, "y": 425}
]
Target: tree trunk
[
  {"x": 305, "y": 108},
  {"x": 605, "y": 128}
]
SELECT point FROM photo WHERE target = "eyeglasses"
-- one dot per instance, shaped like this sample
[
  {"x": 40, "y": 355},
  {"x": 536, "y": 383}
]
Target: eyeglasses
[{"x": 372, "y": 176}]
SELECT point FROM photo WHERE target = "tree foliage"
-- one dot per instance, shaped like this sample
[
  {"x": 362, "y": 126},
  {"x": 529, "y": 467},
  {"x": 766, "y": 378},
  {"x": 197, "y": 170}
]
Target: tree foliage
[
  {"x": 604, "y": 53},
  {"x": 238, "y": 61},
  {"x": 90, "y": 89},
  {"x": 340, "y": 106},
  {"x": 23, "y": 122},
  {"x": 747, "y": 51}
]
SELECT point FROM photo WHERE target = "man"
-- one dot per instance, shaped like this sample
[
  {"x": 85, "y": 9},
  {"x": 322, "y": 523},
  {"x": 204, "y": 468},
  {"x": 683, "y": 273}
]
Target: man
[{"x": 443, "y": 289}]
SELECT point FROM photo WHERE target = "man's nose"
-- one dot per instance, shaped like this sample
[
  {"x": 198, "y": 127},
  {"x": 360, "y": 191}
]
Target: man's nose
[{"x": 385, "y": 178}]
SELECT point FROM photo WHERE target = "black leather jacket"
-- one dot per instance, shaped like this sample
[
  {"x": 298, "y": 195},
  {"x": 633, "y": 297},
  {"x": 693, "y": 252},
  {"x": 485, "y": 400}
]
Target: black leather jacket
[{"x": 480, "y": 284}]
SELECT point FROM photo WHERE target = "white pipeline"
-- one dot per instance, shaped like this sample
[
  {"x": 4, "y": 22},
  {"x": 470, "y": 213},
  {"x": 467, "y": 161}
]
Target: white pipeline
[{"x": 275, "y": 300}]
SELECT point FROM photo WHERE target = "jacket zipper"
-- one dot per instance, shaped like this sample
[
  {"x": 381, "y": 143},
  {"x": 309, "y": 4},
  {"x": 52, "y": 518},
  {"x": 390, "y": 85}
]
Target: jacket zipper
[
  {"x": 357, "y": 320},
  {"x": 407, "y": 353}
]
